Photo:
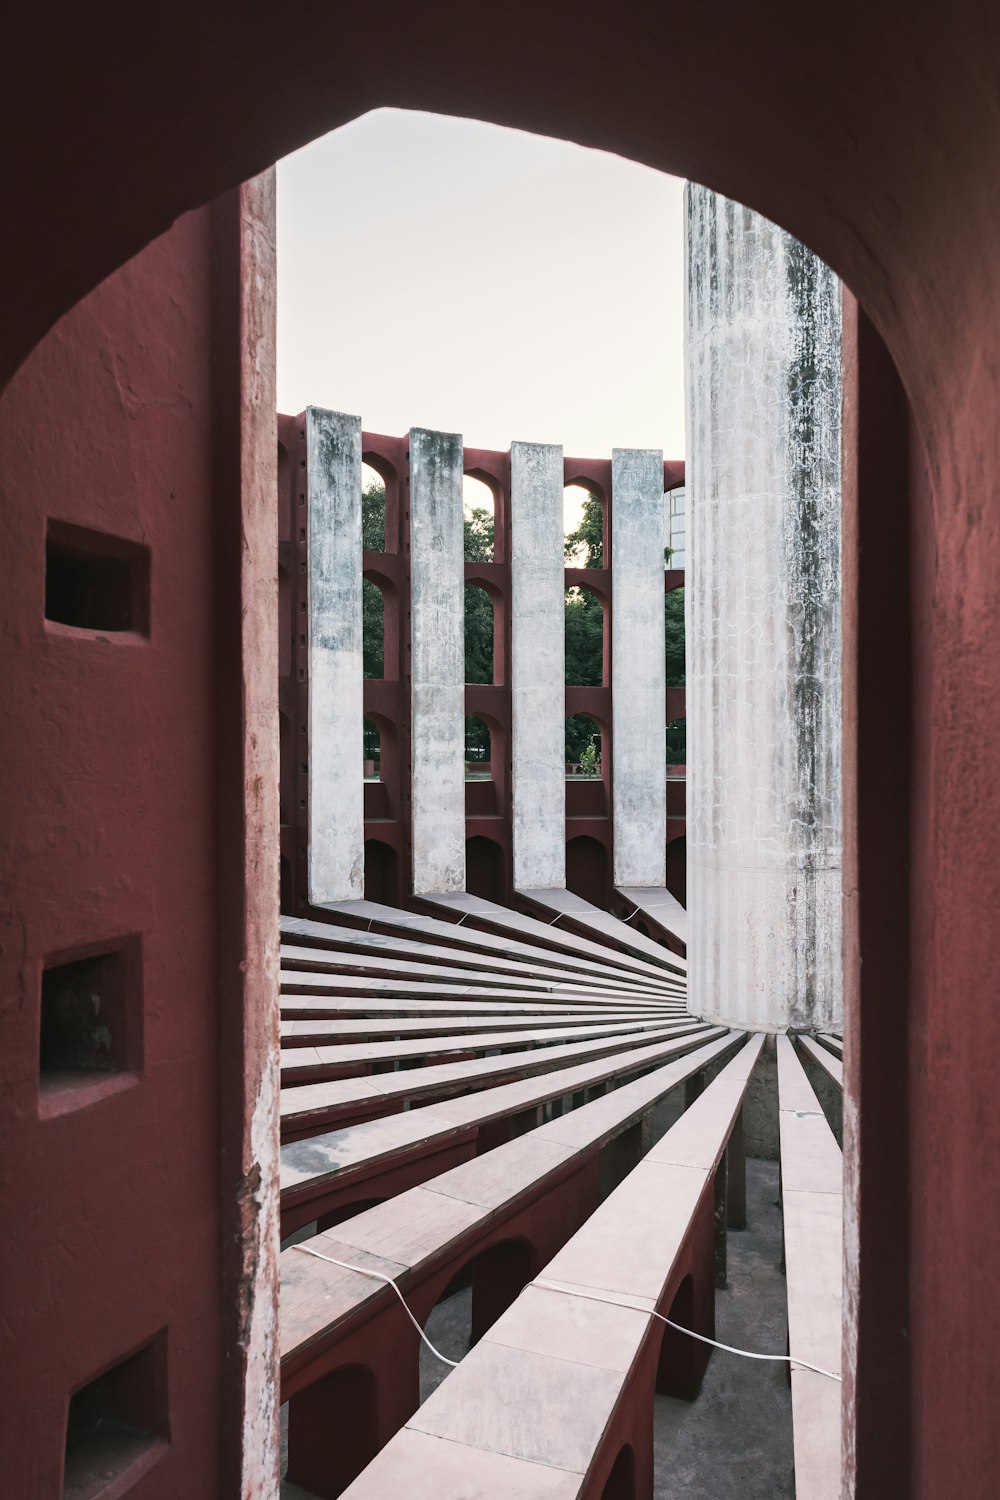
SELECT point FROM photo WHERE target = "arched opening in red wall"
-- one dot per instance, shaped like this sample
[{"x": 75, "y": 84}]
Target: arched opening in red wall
[
  {"x": 479, "y": 629},
  {"x": 584, "y": 760},
  {"x": 382, "y": 882},
  {"x": 372, "y": 750},
  {"x": 588, "y": 870},
  {"x": 347, "y": 1398},
  {"x": 677, "y": 745},
  {"x": 682, "y": 1360},
  {"x": 673, "y": 634},
  {"x": 484, "y": 868},
  {"x": 621, "y": 1481},
  {"x": 479, "y": 506},
  {"x": 677, "y": 869},
  {"x": 373, "y": 510},
  {"x": 372, "y": 629},
  {"x": 584, "y": 526},
  {"x": 586, "y": 654},
  {"x": 478, "y": 749}
]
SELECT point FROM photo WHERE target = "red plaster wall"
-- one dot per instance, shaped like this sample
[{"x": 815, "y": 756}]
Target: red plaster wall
[{"x": 122, "y": 759}]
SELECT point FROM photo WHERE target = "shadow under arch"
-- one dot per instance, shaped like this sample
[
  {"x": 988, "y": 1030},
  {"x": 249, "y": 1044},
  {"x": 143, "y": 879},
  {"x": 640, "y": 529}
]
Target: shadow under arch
[
  {"x": 382, "y": 873},
  {"x": 620, "y": 1483},
  {"x": 484, "y": 868},
  {"x": 347, "y": 1398},
  {"x": 588, "y": 869}
]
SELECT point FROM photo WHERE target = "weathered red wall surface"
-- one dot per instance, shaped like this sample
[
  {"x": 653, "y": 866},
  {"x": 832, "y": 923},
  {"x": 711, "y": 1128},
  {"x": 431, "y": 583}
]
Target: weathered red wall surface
[
  {"x": 125, "y": 757},
  {"x": 874, "y": 138}
]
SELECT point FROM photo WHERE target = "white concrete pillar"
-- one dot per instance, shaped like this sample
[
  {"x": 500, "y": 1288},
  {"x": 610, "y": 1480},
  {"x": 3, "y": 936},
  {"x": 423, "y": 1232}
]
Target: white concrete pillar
[
  {"x": 638, "y": 732},
  {"x": 336, "y": 668},
  {"x": 538, "y": 666},
  {"x": 437, "y": 661},
  {"x": 763, "y": 622}
]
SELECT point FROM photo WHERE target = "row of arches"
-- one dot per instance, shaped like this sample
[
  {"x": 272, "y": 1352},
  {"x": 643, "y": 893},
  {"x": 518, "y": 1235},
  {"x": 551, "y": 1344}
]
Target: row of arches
[
  {"x": 586, "y": 634},
  {"x": 583, "y": 746},
  {"x": 584, "y": 516}
]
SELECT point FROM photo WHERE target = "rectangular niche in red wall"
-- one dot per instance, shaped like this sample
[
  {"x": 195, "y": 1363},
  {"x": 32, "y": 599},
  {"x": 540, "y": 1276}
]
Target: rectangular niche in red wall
[
  {"x": 117, "y": 1425},
  {"x": 90, "y": 1033},
  {"x": 95, "y": 582}
]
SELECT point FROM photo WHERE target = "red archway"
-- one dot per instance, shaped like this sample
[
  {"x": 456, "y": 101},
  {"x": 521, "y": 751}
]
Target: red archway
[{"x": 837, "y": 131}]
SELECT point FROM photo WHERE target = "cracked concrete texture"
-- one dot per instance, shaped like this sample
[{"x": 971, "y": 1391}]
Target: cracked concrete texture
[{"x": 763, "y": 622}]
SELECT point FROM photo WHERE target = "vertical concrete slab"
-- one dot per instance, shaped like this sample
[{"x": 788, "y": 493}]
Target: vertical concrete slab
[
  {"x": 639, "y": 735},
  {"x": 437, "y": 657},
  {"x": 763, "y": 623},
  {"x": 336, "y": 671},
  {"x": 538, "y": 666}
]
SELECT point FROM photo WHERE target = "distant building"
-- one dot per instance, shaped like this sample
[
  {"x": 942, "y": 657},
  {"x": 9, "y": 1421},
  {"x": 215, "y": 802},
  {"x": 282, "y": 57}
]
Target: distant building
[{"x": 673, "y": 517}]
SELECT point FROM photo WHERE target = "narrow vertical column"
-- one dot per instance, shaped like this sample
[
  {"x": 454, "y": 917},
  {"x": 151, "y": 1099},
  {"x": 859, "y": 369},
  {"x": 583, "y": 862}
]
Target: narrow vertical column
[
  {"x": 763, "y": 601},
  {"x": 538, "y": 665},
  {"x": 336, "y": 673},
  {"x": 437, "y": 661},
  {"x": 639, "y": 734}
]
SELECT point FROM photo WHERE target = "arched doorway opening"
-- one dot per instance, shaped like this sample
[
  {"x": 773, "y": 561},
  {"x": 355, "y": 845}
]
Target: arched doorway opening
[
  {"x": 588, "y": 870},
  {"x": 484, "y": 868}
]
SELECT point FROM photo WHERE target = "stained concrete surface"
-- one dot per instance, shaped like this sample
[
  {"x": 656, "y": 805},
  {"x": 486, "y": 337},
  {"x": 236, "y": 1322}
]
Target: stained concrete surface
[
  {"x": 762, "y": 595},
  {"x": 735, "y": 1441}
]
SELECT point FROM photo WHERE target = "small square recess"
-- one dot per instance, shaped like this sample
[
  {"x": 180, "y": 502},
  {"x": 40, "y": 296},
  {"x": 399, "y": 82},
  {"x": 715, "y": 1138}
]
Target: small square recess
[
  {"x": 117, "y": 1425},
  {"x": 91, "y": 1023},
  {"x": 95, "y": 582}
]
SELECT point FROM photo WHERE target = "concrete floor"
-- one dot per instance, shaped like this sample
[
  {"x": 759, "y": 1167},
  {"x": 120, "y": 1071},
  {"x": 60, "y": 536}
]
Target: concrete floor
[{"x": 735, "y": 1441}]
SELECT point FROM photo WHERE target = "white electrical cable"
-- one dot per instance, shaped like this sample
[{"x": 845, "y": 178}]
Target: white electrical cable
[
  {"x": 378, "y": 1276},
  {"x": 551, "y": 1286},
  {"x": 788, "y": 1359}
]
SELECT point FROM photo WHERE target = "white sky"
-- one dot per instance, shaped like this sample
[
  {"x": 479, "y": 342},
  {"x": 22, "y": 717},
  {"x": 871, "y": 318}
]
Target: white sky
[{"x": 454, "y": 275}]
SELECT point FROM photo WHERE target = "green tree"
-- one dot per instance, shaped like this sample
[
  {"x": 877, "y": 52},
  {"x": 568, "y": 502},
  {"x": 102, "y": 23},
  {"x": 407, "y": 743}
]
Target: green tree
[
  {"x": 584, "y": 639},
  {"x": 478, "y": 634},
  {"x": 590, "y": 758},
  {"x": 582, "y": 734},
  {"x": 479, "y": 535},
  {"x": 372, "y": 604},
  {"x": 477, "y": 741},
  {"x": 673, "y": 628},
  {"x": 585, "y": 546},
  {"x": 373, "y": 518},
  {"x": 478, "y": 604}
]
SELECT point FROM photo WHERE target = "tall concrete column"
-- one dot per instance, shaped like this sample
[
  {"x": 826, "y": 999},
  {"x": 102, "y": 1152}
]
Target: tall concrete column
[
  {"x": 639, "y": 734},
  {"x": 763, "y": 622},
  {"x": 336, "y": 667},
  {"x": 538, "y": 666},
  {"x": 437, "y": 661}
]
